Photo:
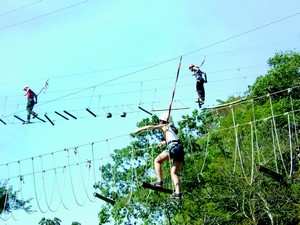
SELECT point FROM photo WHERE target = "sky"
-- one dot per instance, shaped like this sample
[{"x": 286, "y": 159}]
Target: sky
[{"x": 112, "y": 57}]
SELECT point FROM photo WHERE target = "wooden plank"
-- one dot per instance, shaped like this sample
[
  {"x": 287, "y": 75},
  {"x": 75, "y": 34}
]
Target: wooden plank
[
  {"x": 161, "y": 189},
  {"x": 273, "y": 174},
  {"x": 40, "y": 119},
  {"x": 111, "y": 201},
  {"x": 19, "y": 118}
]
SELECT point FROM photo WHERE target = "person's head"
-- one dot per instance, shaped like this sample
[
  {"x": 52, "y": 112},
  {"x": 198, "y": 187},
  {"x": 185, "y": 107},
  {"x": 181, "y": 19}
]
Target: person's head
[
  {"x": 25, "y": 88},
  {"x": 191, "y": 67},
  {"x": 163, "y": 118}
]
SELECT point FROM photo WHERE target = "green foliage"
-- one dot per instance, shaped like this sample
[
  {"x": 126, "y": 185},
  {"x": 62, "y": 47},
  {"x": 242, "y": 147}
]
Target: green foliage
[
  {"x": 55, "y": 221},
  {"x": 222, "y": 180},
  {"x": 76, "y": 223},
  {"x": 9, "y": 200}
]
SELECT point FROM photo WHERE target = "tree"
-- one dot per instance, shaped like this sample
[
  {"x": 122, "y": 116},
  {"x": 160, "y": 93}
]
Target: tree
[
  {"x": 9, "y": 200},
  {"x": 55, "y": 221},
  {"x": 76, "y": 223}
]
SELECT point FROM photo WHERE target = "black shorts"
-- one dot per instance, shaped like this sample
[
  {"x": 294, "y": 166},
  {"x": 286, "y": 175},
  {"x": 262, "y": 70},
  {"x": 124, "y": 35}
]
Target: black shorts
[{"x": 175, "y": 152}]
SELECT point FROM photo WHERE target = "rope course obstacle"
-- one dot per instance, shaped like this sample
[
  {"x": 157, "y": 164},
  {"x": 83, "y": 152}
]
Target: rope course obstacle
[{"x": 64, "y": 177}]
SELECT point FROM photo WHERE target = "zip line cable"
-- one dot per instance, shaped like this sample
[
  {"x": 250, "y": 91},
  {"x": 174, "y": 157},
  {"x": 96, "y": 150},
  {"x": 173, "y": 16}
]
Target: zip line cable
[
  {"x": 20, "y": 8},
  {"x": 243, "y": 33},
  {"x": 43, "y": 15}
]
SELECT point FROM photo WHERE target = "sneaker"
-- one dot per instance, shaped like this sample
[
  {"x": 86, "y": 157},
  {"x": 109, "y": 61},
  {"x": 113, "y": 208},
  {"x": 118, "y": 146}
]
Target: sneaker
[
  {"x": 35, "y": 115},
  {"x": 201, "y": 102},
  {"x": 26, "y": 122},
  {"x": 176, "y": 196},
  {"x": 157, "y": 184}
]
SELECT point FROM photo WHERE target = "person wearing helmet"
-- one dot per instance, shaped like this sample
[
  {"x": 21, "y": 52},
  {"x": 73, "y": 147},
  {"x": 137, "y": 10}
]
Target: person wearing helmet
[
  {"x": 200, "y": 80},
  {"x": 31, "y": 101},
  {"x": 174, "y": 151}
]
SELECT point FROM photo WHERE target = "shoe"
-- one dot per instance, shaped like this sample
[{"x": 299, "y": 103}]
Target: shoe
[
  {"x": 26, "y": 122},
  {"x": 176, "y": 196},
  {"x": 157, "y": 184},
  {"x": 201, "y": 102},
  {"x": 35, "y": 115}
]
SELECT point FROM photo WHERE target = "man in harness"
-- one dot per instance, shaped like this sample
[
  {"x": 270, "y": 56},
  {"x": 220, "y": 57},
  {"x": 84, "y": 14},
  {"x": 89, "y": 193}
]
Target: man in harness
[
  {"x": 31, "y": 101},
  {"x": 174, "y": 151},
  {"x": 200, "y": 80}
]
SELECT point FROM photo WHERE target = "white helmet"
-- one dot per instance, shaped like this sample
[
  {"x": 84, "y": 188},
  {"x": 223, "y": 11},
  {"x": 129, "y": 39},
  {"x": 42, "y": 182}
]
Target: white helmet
[{"x": 164, "y": 117}]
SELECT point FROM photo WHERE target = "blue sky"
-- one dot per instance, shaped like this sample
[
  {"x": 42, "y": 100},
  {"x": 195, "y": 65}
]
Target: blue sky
[{"x": 112, "y": 56}]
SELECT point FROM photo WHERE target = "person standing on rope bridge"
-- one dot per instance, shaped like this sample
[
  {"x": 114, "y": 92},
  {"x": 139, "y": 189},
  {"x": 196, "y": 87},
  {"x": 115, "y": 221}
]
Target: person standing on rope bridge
[
  {"x": 200, "y": 80},
  {"x": 31, "y": 101},
  {"x": 174, "y": 151}
]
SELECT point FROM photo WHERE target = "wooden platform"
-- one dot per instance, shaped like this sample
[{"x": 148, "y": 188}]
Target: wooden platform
[{"x": 161, "y": 189}]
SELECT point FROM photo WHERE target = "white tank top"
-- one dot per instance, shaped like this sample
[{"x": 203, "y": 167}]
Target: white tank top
[{"x": 170, "y": 135}]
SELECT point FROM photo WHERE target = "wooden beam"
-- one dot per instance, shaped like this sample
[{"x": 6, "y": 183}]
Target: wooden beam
[
  {"x": 166, "y": 109},
  {"x": 145, "y": 110},
  {"x": 155, "y": 188},
  {"x": 66, "y": 112},
  {"x": 273, "y": 174},
  {"x": 62, "y": 115},
  {"x": 49, "y": 119},
  {"x": 2, "y": 121},
  {"x": 111, "y": 201},
  {"x": 87, "y": 109},
  {"x": 40, "y": 119},
  {"x": 19, "y": 118}
]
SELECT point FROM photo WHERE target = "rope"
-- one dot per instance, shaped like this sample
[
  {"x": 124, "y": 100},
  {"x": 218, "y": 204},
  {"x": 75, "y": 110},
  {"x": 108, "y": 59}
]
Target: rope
[
  {"x": 88, "y": 165},
  {"x": 94, "y": 164},
  {"x": 294, "y": 120},
  {"x": 44, "y": 88},
  {"x": 173, "y": 94},
  {"x": 274, "y": 147},
  {"x": 44, "y": 188},
  {"x": 291, "y": 144},
  {"x": 71, "y": 180},
  {"x": 60, "y": 194},
  {"x": 276, "y": 135},
  {"x": 35, "y": 191},
  {"x": 256, "y": 136},
  {"x": 237, "y": 146},
  {"x": 252, "y": 153},
  {"x": 205, "y": 156}
]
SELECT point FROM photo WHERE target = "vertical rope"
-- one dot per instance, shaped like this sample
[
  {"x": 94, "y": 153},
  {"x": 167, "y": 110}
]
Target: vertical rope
[
  {"x": 173, "y": 94},
  {"x": 35, "y": 191},
  {"x": 94, "y": 165},
  {"x": 291, "y": 144},
  {"x": 252, "y": 154},
  {"x": 256, "y": 136},
  {"x": 71, "y": 179},
  {"x": 237, "y": 143},
  {"x": 205, "y": 156},
  {"x": 294, "y": 121},
  {"x": 276, "y": 135},
  {"x": 274, "y": 147},
  {"x": 60, "y": 194}
]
